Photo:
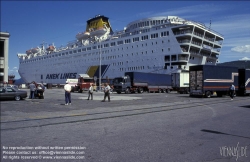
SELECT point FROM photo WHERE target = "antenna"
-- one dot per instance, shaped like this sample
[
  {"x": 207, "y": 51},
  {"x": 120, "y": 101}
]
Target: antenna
[{"x": 210, "y": 24}]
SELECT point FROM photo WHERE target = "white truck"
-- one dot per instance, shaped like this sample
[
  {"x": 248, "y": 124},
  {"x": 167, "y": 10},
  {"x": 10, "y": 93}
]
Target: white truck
[
  {"x": 180, "y": 82},
  {"x": 73, "y": 83}
]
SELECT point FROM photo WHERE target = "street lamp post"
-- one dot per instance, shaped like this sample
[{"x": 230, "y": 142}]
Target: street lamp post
[{"x": 100, "y": 69}]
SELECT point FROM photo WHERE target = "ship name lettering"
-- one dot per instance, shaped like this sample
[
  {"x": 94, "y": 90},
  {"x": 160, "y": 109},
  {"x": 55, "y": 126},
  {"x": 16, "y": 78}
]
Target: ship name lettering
[
  {"x": 68, "y": 75},
  {"x": 61, "y": 76},
  {"x": 52, "y": 76}
]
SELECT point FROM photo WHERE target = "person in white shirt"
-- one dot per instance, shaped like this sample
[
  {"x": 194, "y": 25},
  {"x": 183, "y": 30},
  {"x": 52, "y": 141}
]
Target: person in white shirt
[
  {"x": 67, "y": 89},
  {"x": 106, "y": 92},
  {"x": 91, "y": 90},
  {"x": 232, "y": 91}
]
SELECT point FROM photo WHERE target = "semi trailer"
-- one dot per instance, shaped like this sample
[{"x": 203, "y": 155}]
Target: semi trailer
[
  {"x": 139, "y": 82},
  {"x": 207, "y": 80}
]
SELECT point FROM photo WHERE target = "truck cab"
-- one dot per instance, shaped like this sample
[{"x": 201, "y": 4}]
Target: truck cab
[
  {"x": 122, "y": 84},
  {"x": 84, "y": 82}
]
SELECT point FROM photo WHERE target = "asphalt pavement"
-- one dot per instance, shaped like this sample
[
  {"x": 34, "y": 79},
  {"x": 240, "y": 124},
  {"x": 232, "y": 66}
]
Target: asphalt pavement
[{"x": 153, "y": 127}]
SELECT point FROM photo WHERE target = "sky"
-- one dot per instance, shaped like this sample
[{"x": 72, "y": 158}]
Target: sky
[{"x": 31, "y": 23}]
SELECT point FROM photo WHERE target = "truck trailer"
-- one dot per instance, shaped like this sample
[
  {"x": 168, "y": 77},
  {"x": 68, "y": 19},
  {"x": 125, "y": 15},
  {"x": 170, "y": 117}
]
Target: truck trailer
[
  {"x": 244, "y": 82},
  {"x": 133, "y": 82},
  {"x": 206, "y": 80}
]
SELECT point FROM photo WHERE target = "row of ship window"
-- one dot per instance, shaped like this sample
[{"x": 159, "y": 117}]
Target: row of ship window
[
  {"x": 126, "y": 41},
  {"x": 79, "y": 50},
  {"x": 114, "y": 57},
  {"x": 122, "y": 69},
  {"x": 130, "y": 68},
  {"x": 107, "y": 57},
  {"x": 103, "y": 58},
  {"x": 146, "y": 23},
  {"x": 133, "y": 68},
  {"x": 155, "y": 35},
  {"x": 141, "y": 68}
]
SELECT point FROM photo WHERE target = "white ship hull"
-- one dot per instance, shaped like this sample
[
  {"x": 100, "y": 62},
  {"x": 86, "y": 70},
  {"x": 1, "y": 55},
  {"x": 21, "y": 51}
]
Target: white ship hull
[{"x": 163, "y": 48}]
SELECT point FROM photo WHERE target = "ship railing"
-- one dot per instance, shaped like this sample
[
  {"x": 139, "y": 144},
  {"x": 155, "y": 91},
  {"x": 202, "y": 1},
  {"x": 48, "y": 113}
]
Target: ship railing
[
  {"x": 194, "y": 22},
  {"x": 216, "y": 49},
  {"x": 209, "y": 39},
  {"x": 207, "y": 28},
  {"x": 198, "y": 34},
  {"x": 196, "y": 43},
  {"x": 188, "y": 22},
  {"x": 199, "y": 54},
  {"x": 207, "y": 47},
  {"x": 72, "y": 44},
  {"x": 119, "y": 33},
  {"x": 214, "y": 32},
  {"x": 140, "y": 31},
  {"x": 194, "y": 52},
  {"x": 161, "y": 26},
  {"x": 218, "y": 42}
]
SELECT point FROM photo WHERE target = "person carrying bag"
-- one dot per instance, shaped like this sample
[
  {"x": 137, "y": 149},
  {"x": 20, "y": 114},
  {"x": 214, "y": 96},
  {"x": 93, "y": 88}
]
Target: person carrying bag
[
  {"x": 106, "y": 92},
  {"x": 91, "y": 90}
]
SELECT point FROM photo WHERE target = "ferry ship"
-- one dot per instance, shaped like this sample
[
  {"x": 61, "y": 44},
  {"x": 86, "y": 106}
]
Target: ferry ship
[{"x": 164, "y": 44}]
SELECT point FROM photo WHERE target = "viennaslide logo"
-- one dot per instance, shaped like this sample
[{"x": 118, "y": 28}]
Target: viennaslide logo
[{"x": 233, "y": 151}]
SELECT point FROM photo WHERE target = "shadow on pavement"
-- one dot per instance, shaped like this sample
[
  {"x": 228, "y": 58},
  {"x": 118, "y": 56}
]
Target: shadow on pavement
[
  {"x": 247, "y": 106},
  {"x": 216, "y": 132}
]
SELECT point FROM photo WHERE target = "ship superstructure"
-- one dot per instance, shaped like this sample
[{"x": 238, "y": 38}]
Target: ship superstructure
[{"x": 166, "y": 44}]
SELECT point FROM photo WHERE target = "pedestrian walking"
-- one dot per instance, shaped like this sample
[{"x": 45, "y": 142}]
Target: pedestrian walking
[
  {"x": 67, "y": 89},
  {"x": 32, "y": 90},
  {"x": 232, "y": 91},
  {"x": 106, "y": 92},
  {"x": 91, "y": 90}
]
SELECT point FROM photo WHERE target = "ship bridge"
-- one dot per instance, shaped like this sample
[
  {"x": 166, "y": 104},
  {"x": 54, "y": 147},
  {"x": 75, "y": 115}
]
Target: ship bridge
[
  {"x": 153, "y": 21},
  {"x": 196, "y": 40}
]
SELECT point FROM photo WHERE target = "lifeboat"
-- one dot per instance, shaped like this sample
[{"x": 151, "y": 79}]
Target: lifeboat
[
  {"x": 35, "y": 50},
  {"x": 98, "y": 32},
  {"x": 83, "y": 35},
  {"x": 28, "y": 52},
  {"x": 51, "y": 48}
]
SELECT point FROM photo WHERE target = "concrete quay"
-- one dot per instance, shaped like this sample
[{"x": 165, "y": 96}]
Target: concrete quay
[{"x": 132, "y": 127}]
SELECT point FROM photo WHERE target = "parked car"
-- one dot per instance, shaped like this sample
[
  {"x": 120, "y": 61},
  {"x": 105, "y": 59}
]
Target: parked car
[
  {"x": 13, "y": 86},
  {"x": 12, "y": 93}
]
